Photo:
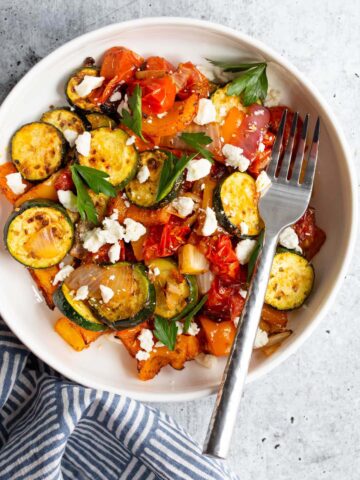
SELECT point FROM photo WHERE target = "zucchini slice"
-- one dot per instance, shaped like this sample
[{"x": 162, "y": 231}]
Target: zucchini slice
[
  {"x": 176, "y": 293},
  {"x": 97, "y": 120},
  {"x": 64, "y": 119},
  {"x": 38, "y": 150},
  {"x": 235, "y": 201},
  {"x": 76, "y": 310},
  {"x": 82, "y": 103},
  {"x": 223, "y": 103},
  {"x": 134, "y": 296},
  {"x": 110, "y": 154},
  {"x": 291, "y": 281},
  {"x": 39, "y": 234},
  {"x": 144, "y": 194}
]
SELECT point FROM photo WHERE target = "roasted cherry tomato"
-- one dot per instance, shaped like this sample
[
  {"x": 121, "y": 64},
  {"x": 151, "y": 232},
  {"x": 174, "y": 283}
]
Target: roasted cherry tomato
[
  {"x": 158, "y": 94},
  {"x": 64, "y": 181},
  {"x": 311, "y": 237},
  {"x": 224, "y": 300},
  {"x": 159, "y": 63},
  {"x": 164, "y": 240},
  {"x": 188, "y": 80}
]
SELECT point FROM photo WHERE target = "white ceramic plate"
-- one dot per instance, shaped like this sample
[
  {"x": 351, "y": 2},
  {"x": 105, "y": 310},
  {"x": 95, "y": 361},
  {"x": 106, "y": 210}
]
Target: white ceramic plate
[{"x": 106, "y": 365}]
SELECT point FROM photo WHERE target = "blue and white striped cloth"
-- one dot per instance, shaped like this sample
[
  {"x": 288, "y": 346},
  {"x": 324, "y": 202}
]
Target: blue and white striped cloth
[{"x": 51, "y": 428}]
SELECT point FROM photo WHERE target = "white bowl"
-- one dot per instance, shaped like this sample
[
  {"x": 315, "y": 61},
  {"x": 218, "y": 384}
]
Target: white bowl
[{"x": 108, "y": 366}]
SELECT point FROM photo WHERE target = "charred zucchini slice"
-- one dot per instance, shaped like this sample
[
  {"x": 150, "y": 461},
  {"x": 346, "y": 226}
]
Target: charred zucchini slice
[
  {"x": 133, "y": 300},
  {"x": 82, "y": 103},
  {"x": 235, "y": 201},
  {"x": 64, "y": 119},
  {"x": 98, "y": 120},
  {"x": 224, "y": 103},
  {"x": 39, "y": 234},
  {"x": 110, "y": 153},
  {"x": 291, "y": 281},
  {"x": 38, "y": 150},
  {"x": 76, "y": 310},
  {"x": 144, "y": 194},
  {"x": 176, "y": 293}
]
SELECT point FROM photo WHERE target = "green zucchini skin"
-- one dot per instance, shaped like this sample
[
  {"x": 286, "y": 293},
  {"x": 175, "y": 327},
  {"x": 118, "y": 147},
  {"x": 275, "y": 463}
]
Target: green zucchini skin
[
  {"x": 146, "y": 310},
  {"x": 64, "y": 119},
  {"x": 38, "y": 150},
  {"x": 167, "y": 265},
  {"x": 144, "y": 194},
  {"x": 76, "y": 310},
  {"x": 254, "y": 222},
  {"x": 291, "y": 281},
  {"x": 37, "y": 204},
  {"x": 83, "y": 104},
  {"x": 110, "y": 154},
  {"x": 98, "y": 120}
]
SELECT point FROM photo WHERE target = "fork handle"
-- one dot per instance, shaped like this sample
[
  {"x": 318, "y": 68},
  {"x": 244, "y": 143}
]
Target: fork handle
[{"x": 223, "y": 419}]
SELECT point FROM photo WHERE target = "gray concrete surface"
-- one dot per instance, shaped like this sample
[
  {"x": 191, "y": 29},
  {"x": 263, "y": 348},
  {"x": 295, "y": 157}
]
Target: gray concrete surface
[{"x": 303, "y": 420}]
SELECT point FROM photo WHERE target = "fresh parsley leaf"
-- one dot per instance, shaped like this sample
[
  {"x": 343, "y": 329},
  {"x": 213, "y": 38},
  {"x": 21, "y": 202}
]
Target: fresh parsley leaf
[
  {"x": 193, "y": 312},
  {"x": 171, "y": 172},
  {"x": 96, "y": 180},
  {"x": 84, "y": 203},
  {"x": 254, "y": 256},
  {"x": 166, "y": 331},
  {"x": 133, "y": 119},
  {"x": 197, "y": 141},
  {"x": 251, "y": 85}
]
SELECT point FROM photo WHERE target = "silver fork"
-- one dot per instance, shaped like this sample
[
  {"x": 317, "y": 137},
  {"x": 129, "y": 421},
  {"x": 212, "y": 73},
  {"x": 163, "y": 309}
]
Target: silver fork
[{"x": 283, "y": 204}]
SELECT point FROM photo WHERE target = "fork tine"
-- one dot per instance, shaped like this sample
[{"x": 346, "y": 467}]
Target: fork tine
[
  {"x": 275, "y": 154},
  {"x": 289, "y": 149},
  {"x": 311, "y": 166},
  {"x": 300, "y": 153}
]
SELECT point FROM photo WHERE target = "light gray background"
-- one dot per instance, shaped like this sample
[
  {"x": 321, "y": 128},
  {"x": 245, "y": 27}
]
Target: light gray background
[{"x": 302, "y": 421}]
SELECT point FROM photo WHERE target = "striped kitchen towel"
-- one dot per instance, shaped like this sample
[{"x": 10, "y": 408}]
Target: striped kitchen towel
[{"x": 51, "y": 428}]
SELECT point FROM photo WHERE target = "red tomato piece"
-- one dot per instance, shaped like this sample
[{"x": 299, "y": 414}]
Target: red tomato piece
[
  {"x": 275, "y": 119},
  {"x": 64, "y": 181},
  {"x": 224, "y": 300},
  {"x": 188, "y": 80},
  {"x": 158, "y": 94},
  {"x": 159, "y": 63},
  {"x": 311, "y": 237},
  {"x": 164, "y": 240}
]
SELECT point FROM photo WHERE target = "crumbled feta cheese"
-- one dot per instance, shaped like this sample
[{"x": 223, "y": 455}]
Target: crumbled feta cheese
[
  {"x": 262, "y": 183},
  {"x": 289, "y": 239},
  {"x": 223, "y": 111},
  {"x": 130, "y": 140},
  {"x": 180, "y": 328},
  {"x": 162, "y": 115},
  {"x": 193, "y": 329},
  {"x": 88, "y": 84},
  {"x": 273, "y": 97},
  {"x": 210, "y": 224},
  {"x": 68, "y": 199},
  {"x": 156, "y": 271},
  {"x": 115, "y": 97},
  {"x": 261, "y": 147},
  {"x": 206, "y": 112},
  {"x": 236, "y": 321},
  {"x": 244, "y": 250},
  {"x": 142, "y": 356},
  {"x": 134, "y": 230},
  {"x": 63, "y": 273},
  {"x": 112, "y": 277},
  {"x": 207, "y": 361},
  {"x": 82, "y": 293},
  {"x": 94, "y": 240},
  {"x": 235, "y": 158},
  {"x": 244, "y": 228},
  {"x": 106, "y": 293},
  {"x": 112, "y": 230},
  {"x": 159, "y": 344},
  {"x": 114, "y": 252},
  {"x": 83, "y": 144},
  {"x": 184, "y": 206},
  {"x": 197, "y": 169},
  {"x": 123, "y": 105},
  {"x": 143, "y": 174},
  {"x": 15, "y": 183},
  {"x": 146, "y": 340},
  {"x": 70, "y": 136},
  {"x": 261, "y": 338},
  {"x": 243, "y": 293}
]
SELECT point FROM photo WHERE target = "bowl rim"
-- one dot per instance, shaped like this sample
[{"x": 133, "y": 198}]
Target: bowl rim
[{"x": 324, "y": 110}]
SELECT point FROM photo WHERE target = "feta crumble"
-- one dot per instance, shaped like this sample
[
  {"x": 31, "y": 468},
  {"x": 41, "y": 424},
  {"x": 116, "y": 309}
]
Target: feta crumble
[
  {"x": 88, "y": 84},
  {"x": 205, "y": 360},
  {"x": 114, "y": 252},
  {"x": 210, "y": 224},
  {"x": 244, "y": 228},
  {"x": 123, "y": 105},
  {"x": 82, "y": 293},
  {"x": 197, "y": 169},
  {"x": 142, "y": 356},
  {"x": 134, "y": 230},
  {"x": 162, "y": 115},
  {"x": 261, "y": 147},
  {"x": 273, "y": 98},
  {"x": 236, "y": 321},
  {"x": 106, "y": 293},
  {"x": 244, "y": 250},
  {"x": 143, "y": 174},
  {"x": 206, "y": 112},
  {"x": 70, "y": 136},
  {"x": 115, "y": 97},
  {"x": 262, "y": 183},
  {"x": 68, "y": 199},
  {"x": 235, "y": 158},
  {"x": 63, "y": 273},
  {"x": 184, "y": 206},
  {"x": 243, "y": 293},
  {"x": 130, "y": 140},
  {"x": 261, "y": 338},
  {"x": 83, "y": 144},
  {"x": 193, "y": 329},
  {"x": 289, "y": 239},
  {"x": 15, "y": 183},
  {"x": 146, "y": 340}
]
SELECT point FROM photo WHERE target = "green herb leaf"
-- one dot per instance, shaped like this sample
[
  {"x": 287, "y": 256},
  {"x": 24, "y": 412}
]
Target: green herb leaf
[
  {"x": 96, "y": 180},
  {"x": 254, "y": 255},
  {"x": 197, "y": 141},
  {"x": 170, "y": 173},
  {"x": 232, "y": 67},
  {"x": 133, "y": 119},
  {"x": 84, "y": 203},
  {"x": 193, "y": 312},
  {"x": 166, "y": 332}
]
